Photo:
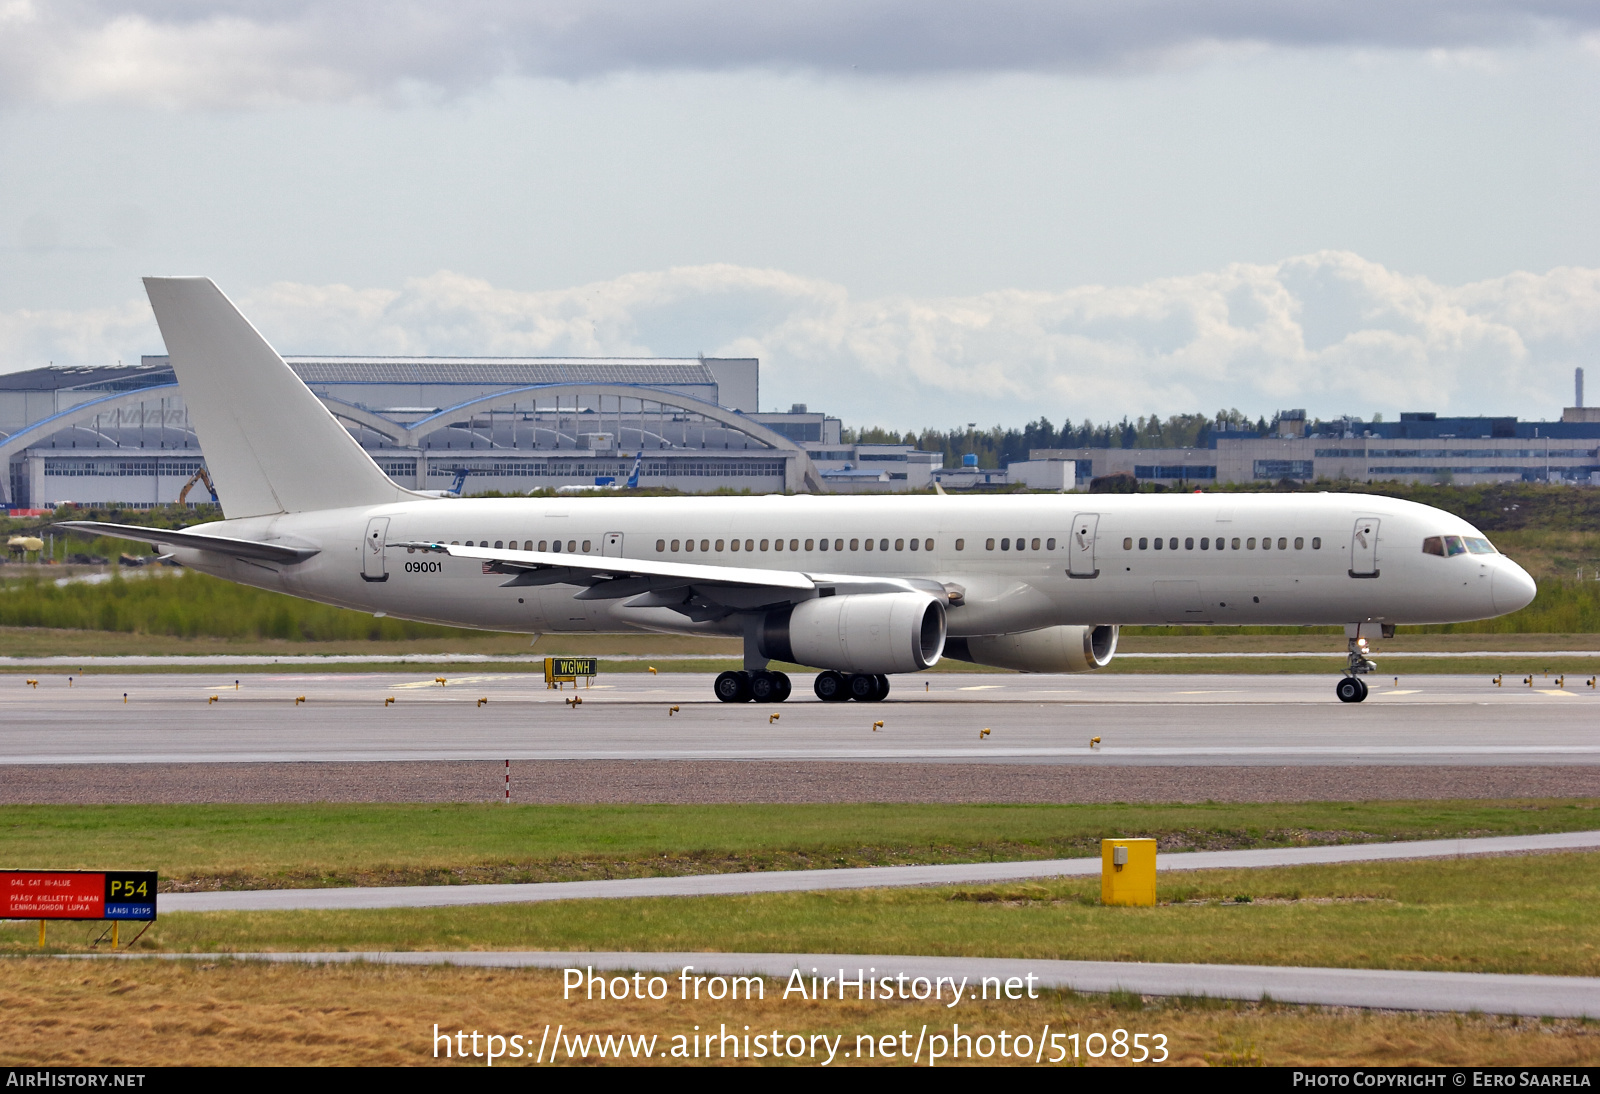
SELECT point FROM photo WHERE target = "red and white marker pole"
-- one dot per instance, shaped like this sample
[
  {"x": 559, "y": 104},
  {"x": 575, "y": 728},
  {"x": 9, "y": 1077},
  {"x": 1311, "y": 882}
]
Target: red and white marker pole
[{"x": 508, "y": 782}]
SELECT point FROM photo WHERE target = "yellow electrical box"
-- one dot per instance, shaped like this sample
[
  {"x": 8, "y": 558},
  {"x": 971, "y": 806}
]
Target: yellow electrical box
[{"x": 1128, "y": 871}]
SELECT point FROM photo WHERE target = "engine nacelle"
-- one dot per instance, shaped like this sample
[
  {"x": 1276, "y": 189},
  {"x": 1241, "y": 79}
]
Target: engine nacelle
[
  {"x": 859, "y": 632},
  {"x": 1049, "y": 649}
]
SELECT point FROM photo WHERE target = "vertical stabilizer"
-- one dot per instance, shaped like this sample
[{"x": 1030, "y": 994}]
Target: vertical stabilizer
[{"x": 270, "y": 443}]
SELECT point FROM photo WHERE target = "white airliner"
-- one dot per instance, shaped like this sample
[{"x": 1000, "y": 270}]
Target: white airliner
[{"x": 857, "y": 588}]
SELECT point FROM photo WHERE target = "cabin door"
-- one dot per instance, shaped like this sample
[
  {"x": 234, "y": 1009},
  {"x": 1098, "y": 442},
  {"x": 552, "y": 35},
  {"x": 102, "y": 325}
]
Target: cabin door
[
  {"x": 372, "y": 561},
  {"x": 1364, "y": 548},
  {"x": 1080, "y": 546},
  {"x": 613, "y": 545}
]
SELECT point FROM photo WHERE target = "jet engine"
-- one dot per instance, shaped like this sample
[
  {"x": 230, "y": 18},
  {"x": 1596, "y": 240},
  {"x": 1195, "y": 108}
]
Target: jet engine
[
  {"x": 859, "y": 632},
  {"x": 1049, "y": 649}
]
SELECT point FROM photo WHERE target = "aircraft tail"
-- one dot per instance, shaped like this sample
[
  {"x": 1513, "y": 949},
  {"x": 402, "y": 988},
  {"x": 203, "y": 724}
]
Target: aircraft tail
[
  {"x": 270, "y": 443},
  {"x": 633, "y": 479}
]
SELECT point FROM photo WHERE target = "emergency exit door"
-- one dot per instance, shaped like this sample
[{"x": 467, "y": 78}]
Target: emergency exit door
[{"x": 612, "y": 547}]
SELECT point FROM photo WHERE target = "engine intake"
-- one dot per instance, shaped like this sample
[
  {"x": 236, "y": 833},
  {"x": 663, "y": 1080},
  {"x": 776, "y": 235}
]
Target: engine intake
[
  {"x": 1049, "y": 649},
  {"x": 858, "y": 633}
]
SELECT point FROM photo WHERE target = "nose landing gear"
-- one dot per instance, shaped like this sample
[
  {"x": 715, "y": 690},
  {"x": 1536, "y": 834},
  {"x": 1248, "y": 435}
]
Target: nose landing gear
[
  {"x": 743, "y": 687},
  {"x": 1351, "y": 688}
]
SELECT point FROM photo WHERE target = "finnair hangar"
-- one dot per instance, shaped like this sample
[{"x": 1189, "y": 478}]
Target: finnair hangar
[{"x": 119, "y": 436}]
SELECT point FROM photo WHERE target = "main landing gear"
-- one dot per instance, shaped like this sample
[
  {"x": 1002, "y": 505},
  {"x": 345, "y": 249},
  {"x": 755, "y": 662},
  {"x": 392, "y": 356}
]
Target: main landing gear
[
  {"x": 760, "y": 687},
  {"x": 837, "y": 687},
  {"x": 1351, "y": 688}
]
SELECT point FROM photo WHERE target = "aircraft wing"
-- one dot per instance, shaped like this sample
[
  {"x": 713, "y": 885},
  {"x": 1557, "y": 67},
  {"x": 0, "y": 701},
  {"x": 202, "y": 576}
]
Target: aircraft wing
[
  {"x": 699, "y": 591},
  {"x": 198, "y": 541}
]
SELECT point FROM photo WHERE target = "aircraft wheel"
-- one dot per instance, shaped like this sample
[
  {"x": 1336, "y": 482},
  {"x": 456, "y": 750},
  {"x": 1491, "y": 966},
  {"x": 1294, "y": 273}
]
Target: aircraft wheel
[
  {"x": 1350, "y": 689},
  {"x": 883, "y": 687},
  {"x": 864, "y": 689},
  {"x": 733, "y": 687},
  {"x": 763, "y": 687},
  {"x": 830, "y": 687},
  {"x": 782, "y": 687}
]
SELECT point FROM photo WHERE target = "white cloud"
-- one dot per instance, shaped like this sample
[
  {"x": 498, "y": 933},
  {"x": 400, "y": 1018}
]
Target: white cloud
[
  {"x": 254, "y": 52},
  {"x": 1329, "y": 331}
]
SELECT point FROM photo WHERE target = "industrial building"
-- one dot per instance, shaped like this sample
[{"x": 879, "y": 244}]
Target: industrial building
[{"x": 119, "y": 436}]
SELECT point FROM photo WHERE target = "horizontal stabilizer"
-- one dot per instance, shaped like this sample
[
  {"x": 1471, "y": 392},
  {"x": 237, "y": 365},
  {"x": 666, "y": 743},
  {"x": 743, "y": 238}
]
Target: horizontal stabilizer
[{"x": 197, "y": 541}]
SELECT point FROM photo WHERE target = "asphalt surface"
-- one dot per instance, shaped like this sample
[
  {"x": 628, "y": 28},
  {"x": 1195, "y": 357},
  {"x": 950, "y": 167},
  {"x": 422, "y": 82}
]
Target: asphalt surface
[
  {"x": 871, "y": 877},
  {"x": 1489, "y": 993},
  {"x": 1178, "y": 720}
]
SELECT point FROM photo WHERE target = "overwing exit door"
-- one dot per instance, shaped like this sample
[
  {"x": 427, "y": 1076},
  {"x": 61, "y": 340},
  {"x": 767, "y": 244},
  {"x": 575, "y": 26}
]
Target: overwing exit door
[
  {"x": 373, "y": 567},
  {"x": 1080, "y": 546},
  {"x": 1364, "y": 548},
  {"x": 612, "y": 546}
]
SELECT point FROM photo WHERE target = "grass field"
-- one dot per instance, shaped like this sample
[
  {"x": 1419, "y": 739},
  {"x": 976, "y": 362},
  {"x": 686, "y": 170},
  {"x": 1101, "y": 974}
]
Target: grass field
[
  {"x": 241, "y": 1013},
  {"x": 1520, "y": 914},
  {"x": 280, "y": 846}
]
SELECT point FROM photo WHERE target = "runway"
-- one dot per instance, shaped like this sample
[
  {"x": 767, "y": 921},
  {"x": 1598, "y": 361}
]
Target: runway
[{"x": 1170, "y": 721}]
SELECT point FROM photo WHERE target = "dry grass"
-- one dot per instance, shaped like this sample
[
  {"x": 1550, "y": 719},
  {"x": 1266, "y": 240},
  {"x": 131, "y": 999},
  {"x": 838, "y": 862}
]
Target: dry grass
[{"x": 230, "y": 1014}]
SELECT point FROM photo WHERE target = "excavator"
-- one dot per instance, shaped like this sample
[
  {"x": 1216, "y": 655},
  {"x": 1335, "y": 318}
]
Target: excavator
[{"x": 201, "y": 475}]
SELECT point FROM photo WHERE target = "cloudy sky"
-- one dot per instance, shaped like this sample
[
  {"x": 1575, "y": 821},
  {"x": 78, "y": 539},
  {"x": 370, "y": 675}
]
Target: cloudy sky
[{"x": 916, "y": 213}]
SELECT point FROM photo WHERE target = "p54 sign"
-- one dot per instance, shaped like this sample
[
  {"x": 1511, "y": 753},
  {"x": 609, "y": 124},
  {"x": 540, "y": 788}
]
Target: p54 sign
[{"x": 77, "y": 894}]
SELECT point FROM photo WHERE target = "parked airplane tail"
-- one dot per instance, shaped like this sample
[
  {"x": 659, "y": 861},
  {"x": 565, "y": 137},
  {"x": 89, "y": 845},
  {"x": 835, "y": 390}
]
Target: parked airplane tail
[
  {"x": 270, "y": 443},
  {"x": 633, "y": 479}
]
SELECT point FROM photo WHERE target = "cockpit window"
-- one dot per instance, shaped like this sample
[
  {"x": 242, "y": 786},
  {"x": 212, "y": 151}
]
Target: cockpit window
[
  {"x": 1433, "y": 545},
  {"x": 1480, "y": 546},
  {"x": 1453, "y": 546}
]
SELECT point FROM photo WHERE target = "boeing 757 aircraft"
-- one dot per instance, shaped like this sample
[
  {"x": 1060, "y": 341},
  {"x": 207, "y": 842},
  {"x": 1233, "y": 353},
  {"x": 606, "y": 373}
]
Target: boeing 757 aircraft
[{"x": 858, "y": 589}]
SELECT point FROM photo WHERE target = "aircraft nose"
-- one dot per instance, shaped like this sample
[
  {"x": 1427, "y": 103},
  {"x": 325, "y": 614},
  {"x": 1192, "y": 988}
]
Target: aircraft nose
[{"x": 1512, "y": 588}]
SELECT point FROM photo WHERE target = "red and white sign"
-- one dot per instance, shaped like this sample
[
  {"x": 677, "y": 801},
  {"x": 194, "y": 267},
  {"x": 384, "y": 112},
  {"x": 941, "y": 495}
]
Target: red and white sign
[{"x": 44, "y": 895}]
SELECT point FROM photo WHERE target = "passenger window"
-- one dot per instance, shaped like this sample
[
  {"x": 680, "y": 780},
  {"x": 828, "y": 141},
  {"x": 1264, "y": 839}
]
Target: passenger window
[
  {"x": 961, "y": 544},
  {"x": 855, "y": 544},
  {"x": 1250, "y": 544},
  {"x": 811, "y": 544},
  {"x": 661, "y": 545},
  {"x": 777, "y": 545},
  {"x": 1205, "y": 544},
  {"x": 765, "y": 544},
  {"x": 1188, "y": 543},
  {"x": 1035, "y": 545},
  {"x": 988, "y": 545},
  {"x": 674, "y": 545},
  {"x": 1236, "y": 543},
  {"x": 915, "y": 545},
  {"x": 1173, "y": 543},
  {"x": 870, "y": 544},
  {"x": 1266, "y": 543},
  {"x": 497, "y": 545},
  {"x": 733, "y": 544},
  {"x": 1050, "y": 544},
  {"x": 1160, "y": 543},
  {"x": 457, "y": 543},
  {"x": 527, "y": 545},
  {"x": 883, "y": 545},
  {"x": 1005, "y": 544},
  {"x": 1283, "y": 543},
  {"x": 1299, "y": 543},
  {"x": 749, "y": 545},
  {"x": 927, "y": 545},
  {"x": 1316, "y": 543},
  {"x": 545, "y": 546},
  {"x": 1143, "y": 543},
  {"x": 585, "y": 546},
  {"x": 1454, "y": 546},
  {"x": 1127, "y": 544},
  {"x": 719, "y": 544},
  {"x": 794, "y": 545},
  {"x": 899, "y": 545},
  {"x": 688, "y": 545},
  {"x": 556, "y": 547},
  {"x": 838, "y": 545}
]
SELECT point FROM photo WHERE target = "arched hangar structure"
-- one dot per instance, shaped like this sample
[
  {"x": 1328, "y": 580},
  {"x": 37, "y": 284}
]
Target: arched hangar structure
[{"x": 513, "y": 440}]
